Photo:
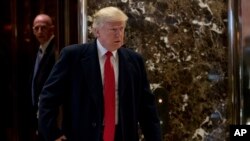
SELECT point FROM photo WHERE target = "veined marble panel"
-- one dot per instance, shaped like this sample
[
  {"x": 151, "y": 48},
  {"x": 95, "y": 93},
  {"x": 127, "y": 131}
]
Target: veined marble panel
[{"x": 184, "y": 43}]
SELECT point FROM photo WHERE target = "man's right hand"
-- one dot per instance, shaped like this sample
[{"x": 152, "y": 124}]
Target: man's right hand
[{"x": 62, "y": 138}]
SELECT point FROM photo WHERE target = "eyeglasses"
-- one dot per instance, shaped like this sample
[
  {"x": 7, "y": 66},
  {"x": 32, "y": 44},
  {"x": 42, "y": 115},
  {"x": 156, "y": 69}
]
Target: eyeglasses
[{"x": 42, "y": 28}]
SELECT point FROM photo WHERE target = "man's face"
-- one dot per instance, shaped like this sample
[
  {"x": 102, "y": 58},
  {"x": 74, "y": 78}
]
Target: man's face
[
  {"x": 42, "y": 29},
  {"x": 111, "y": 35}
]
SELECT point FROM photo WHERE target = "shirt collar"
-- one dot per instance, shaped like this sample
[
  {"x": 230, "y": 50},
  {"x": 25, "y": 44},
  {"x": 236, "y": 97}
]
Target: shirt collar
[
  {"x": 45, "y": 45},
  {"x": 102, "y": 50}
]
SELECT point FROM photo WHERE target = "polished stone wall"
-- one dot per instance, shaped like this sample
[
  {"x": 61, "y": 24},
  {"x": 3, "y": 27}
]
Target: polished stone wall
[{"x": 184, "y": 43}]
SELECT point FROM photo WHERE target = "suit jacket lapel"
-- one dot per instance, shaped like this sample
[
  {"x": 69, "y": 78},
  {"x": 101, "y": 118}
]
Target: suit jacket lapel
[
  {"x": 90, "y": 65},
  {"x": 47, "y": 54},
  {"x": 48, "y": 51},
  {"x": 124, "y": 67}
]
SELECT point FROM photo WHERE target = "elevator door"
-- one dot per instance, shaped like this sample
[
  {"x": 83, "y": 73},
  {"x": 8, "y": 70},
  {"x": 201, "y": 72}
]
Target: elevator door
[{"x": 17, "y": 46}]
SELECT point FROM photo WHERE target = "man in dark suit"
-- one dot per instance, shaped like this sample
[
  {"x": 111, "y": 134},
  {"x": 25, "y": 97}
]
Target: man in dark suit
[
  {"x": 102, "y": 87},
  {"x": 47, "y": 54}
]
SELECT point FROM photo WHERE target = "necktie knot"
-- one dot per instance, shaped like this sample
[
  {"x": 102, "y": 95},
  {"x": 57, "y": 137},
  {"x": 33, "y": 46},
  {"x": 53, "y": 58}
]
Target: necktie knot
[
  {"x": 40, "y": 54},
  {"x": 40, "y": 50},
  {"x": 108, "y": 54}
]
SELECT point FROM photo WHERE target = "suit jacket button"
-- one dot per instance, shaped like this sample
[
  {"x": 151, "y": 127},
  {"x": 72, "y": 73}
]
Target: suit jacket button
[{"x": 93, "y": 124}]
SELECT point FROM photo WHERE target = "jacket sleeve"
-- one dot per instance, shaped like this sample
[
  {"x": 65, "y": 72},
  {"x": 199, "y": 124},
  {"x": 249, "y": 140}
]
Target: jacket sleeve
[
  {"x": 52, "y": 96},
  {"x": 148, "y": 116}
]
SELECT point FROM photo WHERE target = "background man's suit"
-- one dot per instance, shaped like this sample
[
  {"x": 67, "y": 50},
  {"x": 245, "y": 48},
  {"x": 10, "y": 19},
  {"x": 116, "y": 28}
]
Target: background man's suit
[{"x": 46, "y": 64}]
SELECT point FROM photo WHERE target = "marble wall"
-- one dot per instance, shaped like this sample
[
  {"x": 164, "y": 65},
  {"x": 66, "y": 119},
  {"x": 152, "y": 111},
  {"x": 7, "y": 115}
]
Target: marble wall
[{"x": 184, "y": 43}]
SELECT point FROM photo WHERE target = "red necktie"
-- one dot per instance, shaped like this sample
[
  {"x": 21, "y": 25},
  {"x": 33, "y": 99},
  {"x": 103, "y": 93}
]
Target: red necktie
[{"x": 109, "y": 100}]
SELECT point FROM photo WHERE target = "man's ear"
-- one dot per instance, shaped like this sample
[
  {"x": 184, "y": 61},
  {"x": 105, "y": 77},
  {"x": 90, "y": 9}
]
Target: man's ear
[
  {"x": 95, "y": 32},
  {"x": 52, "y": 27}
]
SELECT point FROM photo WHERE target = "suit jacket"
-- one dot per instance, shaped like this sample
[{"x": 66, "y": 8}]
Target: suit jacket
[
  {"x": 46, "y": 64},
  {"x": 76, "y": 83}
]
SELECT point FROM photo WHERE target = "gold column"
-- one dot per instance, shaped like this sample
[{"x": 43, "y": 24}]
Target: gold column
[
  {"x": 234, "y": 61},
  {"x": 82, "y": 21}
]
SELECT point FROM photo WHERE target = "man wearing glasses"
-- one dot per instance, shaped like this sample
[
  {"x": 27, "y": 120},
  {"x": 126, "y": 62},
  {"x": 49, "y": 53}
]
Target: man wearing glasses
[{"x": 46, "y": 56}]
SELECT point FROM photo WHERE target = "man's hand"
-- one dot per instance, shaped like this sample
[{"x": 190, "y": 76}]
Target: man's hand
[{"x": 62, "y": 138}]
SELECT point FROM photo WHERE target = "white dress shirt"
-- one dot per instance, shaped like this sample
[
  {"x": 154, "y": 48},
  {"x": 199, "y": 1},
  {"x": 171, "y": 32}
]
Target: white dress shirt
[
  {"x": 45, "y": 45},
  {"x": 114, "y": 61}
]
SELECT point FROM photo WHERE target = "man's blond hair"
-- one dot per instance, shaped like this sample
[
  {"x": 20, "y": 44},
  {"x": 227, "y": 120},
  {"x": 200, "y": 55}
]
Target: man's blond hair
[{"x": 108, "y": 14}]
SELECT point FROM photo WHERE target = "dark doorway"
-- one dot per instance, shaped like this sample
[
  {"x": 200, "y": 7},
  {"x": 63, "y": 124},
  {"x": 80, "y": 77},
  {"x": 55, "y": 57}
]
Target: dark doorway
[{"x": 17, "y": 46}]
